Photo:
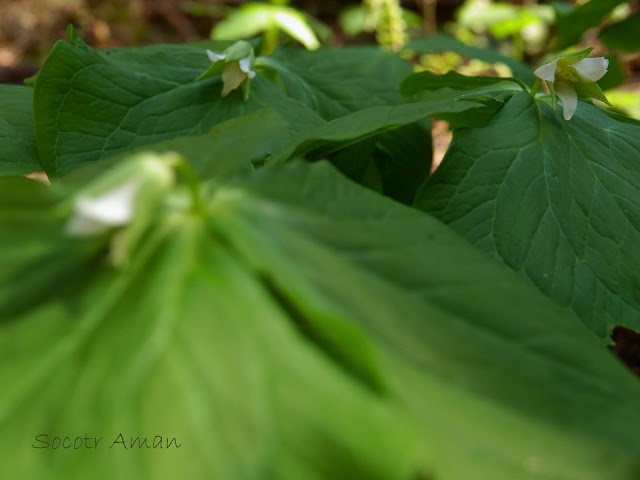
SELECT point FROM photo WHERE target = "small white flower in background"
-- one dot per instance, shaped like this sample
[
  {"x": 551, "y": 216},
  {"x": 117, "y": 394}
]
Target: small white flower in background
[
  {"x": 573, "y": 75},
  {"x": 120, "y": 197},
  {"x": 233, "y": 73},
  {"x": 96, "y": 214},
  {"x": 235, "y": 64}
]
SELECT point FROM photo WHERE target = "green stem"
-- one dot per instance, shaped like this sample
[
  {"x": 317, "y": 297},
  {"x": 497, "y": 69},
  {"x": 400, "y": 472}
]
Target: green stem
[
  {"x": 193, "y": 182},
  {"x": 270, "y": 40},
  {"x": 536, "y": 87}
]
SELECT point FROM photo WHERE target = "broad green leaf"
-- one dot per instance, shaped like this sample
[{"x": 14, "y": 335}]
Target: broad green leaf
[
  {"x": 234, "y": 145},
  {"x": 91, "y": 104},
  {"x": 18, "y": 151},
  {"x": 252, "y": 19},
  {"x": 364, "y": 124},
  {"x": 492, "y": 92},
  {"x": 189, "y": 346},
  {"x": 422, "y": 82},
  {"x": 446, "y": 43},
  {"x": 337, "y": 82},
  {"x": 34, "y": 251},
  {"x": 420, "y": 336},
  {"x": 623, "y": 35},
  {"x": 358, "y": 162},
  {"x": 557, "y": 201},
  {"x": 402, "y": 157},
  {"x": 570, "y": 25},
  {"x": 242, "y": 391},
  {"x": 301, "y": 326}
]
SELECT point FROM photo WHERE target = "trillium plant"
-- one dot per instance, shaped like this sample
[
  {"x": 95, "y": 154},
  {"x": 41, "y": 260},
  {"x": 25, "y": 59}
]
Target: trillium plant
[
  {"x": 573, "y": 75},
  {"x": 234, "y": 66},
  {"x": 255, "y": 257}
]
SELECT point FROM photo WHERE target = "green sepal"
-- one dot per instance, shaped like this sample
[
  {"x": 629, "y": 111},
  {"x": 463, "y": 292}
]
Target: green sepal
[
  {"x": 238, "y": 51},
  {"x": 573, "y": 57},
  {"x": 214, "y": 70},
  {"x": 590, "y": 90}
]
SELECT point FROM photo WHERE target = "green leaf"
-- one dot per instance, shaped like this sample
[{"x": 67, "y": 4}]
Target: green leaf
[
  {"x": 446, "y": 43},
  {"x": 302, "y": 326},
  {"x": 422, "y": 82},
  {"x": 34, "y": 250},
  {"x": 235, "y": 145},
  {"x": 570, "y": 25},
  {"x": 18, "y": 151},
  {"x": 623, "y": 35},
  {"x": 90, "y": 104},
  {"x": 557, "y": 201},
  {"x": 337, "y": 82},
  {"x": 226, "y": 386},
  {"x": 402, "y": 158},
  {"x": 439, "y": 342},
  {"x": 364, "y": 124},
  {"x": 252, "y": 19},
  {"x": 492, "y": 92}
]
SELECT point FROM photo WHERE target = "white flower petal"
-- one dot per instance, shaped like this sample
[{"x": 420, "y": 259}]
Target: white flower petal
[
  {"x": 592, "y": 68},
  {"x": 569, "y": 100},
  {"x": 232, "y": 78},
  {"x": 114, "y": 208},
  {"x": 245, "y": 66},
  {"x": 214, "y": 57},
  {"x": 547, "y": 72}
]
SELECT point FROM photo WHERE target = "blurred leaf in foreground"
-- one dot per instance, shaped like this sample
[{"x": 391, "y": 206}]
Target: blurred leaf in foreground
[{"x": 296, "y": 325}]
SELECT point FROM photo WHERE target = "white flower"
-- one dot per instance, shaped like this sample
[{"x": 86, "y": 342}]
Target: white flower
[
  {"x": 237, "y": 62},
  {"x": 96, "y": 214},
  {"x": 214, "y": 57},
  {"x": 121, "y": 196},
  {"x": 571, "y": 76}
]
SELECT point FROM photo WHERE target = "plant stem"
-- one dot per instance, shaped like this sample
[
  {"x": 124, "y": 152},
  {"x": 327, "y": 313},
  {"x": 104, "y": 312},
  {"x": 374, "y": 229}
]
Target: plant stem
[
  {"x": 536, "y": 87},
  {"x": 193, "y": 182},
  {"x": 270, "y": 40},
  {"x": 429, "y": 23}
]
